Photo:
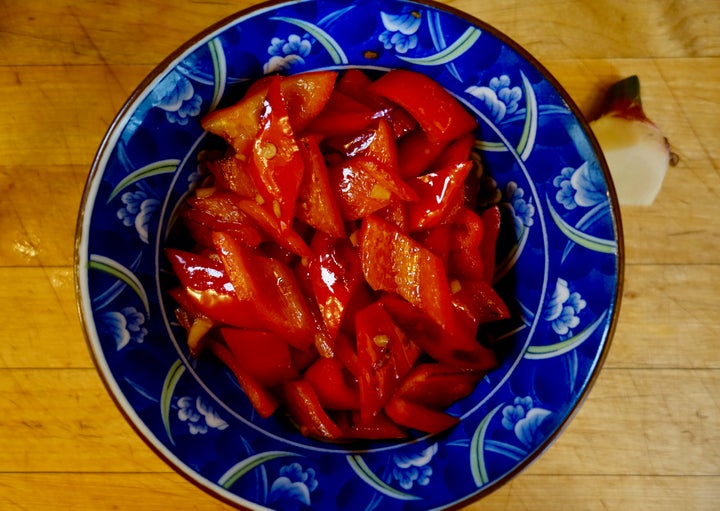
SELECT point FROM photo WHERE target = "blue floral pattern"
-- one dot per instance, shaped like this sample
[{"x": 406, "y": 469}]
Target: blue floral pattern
[
  {"x": 176, "y": 96},
  {"x": 583, "y": 186},
  {"x": 525, "y": 420},
  {"x": 293, "y": 487},
  {"x": 400, "y": 31},
  {"x": 124, "y": 326},
  {"x": 558, "y": 249},
  {"x": 498, "y": 96},
  {"x": 199, "y": 415},
  {"x": 412, "y": 469},
  {"x": 286, "y": 53}
]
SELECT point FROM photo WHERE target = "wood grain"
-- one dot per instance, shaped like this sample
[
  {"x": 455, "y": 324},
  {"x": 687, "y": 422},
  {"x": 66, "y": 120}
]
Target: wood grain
[{"x": 648, "y": 435}]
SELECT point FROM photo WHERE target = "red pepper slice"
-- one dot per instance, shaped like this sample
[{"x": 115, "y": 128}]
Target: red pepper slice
[
  {"x": 265, "y": 356},
  {"x": 491, "y": 220},
  {"x": 439, "y": 114},
  {"x": 232, "y": 174},
  {"x": 385, "y": 356},
  {"x": 284, "y": 236},
  {"x": 335, "y": 274},
  {"x": 466, "y": 234},
  {"x": 263, "y": 402},
  {"x": 335, "y": 387},
  {"x": 209, "y": 288},
  {"x": 393, "y": 261},
  {"x": 419, "y": 417},
  {"x": 276, "y": 164},
  {"x": 316, "y": 204},
  {"x": 363, "y": 185},
  {"x": 437, "y": 386},
  {"x": 276, "y": 295},
  {"x": 441, "y": 193},
  {"x": 456, "y": 152},
  {"x": 479, "y": 303},
  {"x": 201, "y": 225},
  {"x": 416, "y": 153},
  {"x": 306, "y": 95},
  {"x": 305, "y": 408}
]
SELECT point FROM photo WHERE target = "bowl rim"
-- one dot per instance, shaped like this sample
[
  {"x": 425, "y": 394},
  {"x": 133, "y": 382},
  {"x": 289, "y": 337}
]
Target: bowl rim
[{"x": 84, "y": 309}]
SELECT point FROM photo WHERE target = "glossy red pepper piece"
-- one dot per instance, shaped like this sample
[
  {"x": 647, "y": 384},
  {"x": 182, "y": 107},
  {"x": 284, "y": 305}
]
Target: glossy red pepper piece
[
  {"x": 416, "y": 153},
  {"x": 276, "y": 164},
  {"x": 441, "y": 194},
  {"x": 439, "y": 114},
  {"x": 419, "y": 417},
  {"x": 437, "y": 386},
  {"x": 393, "y": 261},
  {"x": 209, "y": 288},
  {"x": 491, "y": 218},
  {"x": 379, "y": 427},
  {"x": 316, "y": 204},
  {"x": 385, "y": 356},
  {"x": 305, "y": 408},
  {"x": 306, "y": 95},
  {"x": 334, "y": 385},
  {"x": 467, "y": 231},
  {"x": 263, "y": 402},
  {"x": 364, "y": 185},
  {"x": 335, "y": 274},
  {"x": 263, "y": 355},
  {"x": 273, "y": 289}
]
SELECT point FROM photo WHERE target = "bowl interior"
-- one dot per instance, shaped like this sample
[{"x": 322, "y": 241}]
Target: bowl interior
[{"x": 559, "y": 260}]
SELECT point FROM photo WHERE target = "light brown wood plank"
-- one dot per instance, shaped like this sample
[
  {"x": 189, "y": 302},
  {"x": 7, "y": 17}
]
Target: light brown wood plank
[
  {"x": 41, "y": 326},
  {"x": 668, "y": 318},
  {"x": 630, "y": 425},
  {"x": 162, "y": 492}
]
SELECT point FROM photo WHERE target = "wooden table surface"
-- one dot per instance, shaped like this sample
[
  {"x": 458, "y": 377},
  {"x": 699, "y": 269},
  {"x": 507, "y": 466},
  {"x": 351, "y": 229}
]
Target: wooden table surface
[{"x": 648, "y": 436}]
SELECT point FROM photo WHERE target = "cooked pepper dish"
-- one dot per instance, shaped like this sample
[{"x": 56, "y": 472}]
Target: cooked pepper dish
[{"x": 340, "y": 268}]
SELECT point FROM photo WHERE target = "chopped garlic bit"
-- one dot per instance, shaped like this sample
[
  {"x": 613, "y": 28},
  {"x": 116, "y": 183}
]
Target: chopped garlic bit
[
  {"x": 381, "y": 340},
  {"x": 259, "y": 199},
  {"x": 268, "y": 151},
  {"x": 205, "y": 192},
  {"x": 455, "y": 286},
  {"x": 379, "y": 192},
  {"x": 276, "y": 208}
]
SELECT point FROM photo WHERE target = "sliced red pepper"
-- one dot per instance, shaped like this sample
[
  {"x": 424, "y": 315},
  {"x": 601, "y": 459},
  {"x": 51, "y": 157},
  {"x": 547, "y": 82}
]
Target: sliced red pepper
[
  {"x": 385, "y": 356},
  {"x": 437, "y": 240},
  {"x": 355, "y": 83},
  {"x": 276, "y": 164},
  {"x": 478, "y": 302},
  {"x": 456, "y": 152},
  {"x": 335, "y": 387},
  {"x": 305, "y": 408},
  {"x": 416, "y": 153},
  {"x": 343, "y": 116},
  {"x": 263, "y": 355},
  {"x": 441, "y": 193},
  {"x": 316, "y": 204},
  {"x": 377, "y": 142},
  {"x": 437, "y": 386},
  {"x": 285, "y": 236},
  {"x": 306, "y": 95},
  {"x": 335, "y": 274},
  {"x": 273, "y": 289},
  {"x": 208, "y": 286},
  {"x": 456, "y": 346},
  {"x": 439, "y": 114},
  {"x": 491, "y": 218},
  {"x": 345, "y": 352},
  {"x": 393, "y": 261},
  {"x": 419, "y": 417},
  {"x": 232, "y": 174},
  {"x": 466, "y": 234},
  {"x": 324, "y": 342},
  {"x": 202, "y": 224},
  {"x": 263, "y": 402},
  {"x": 396, "y": 214}
]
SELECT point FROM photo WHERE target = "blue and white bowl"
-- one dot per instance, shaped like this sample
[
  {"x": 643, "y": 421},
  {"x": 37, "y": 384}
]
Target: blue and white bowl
[{"x": 560, "y": 260}]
